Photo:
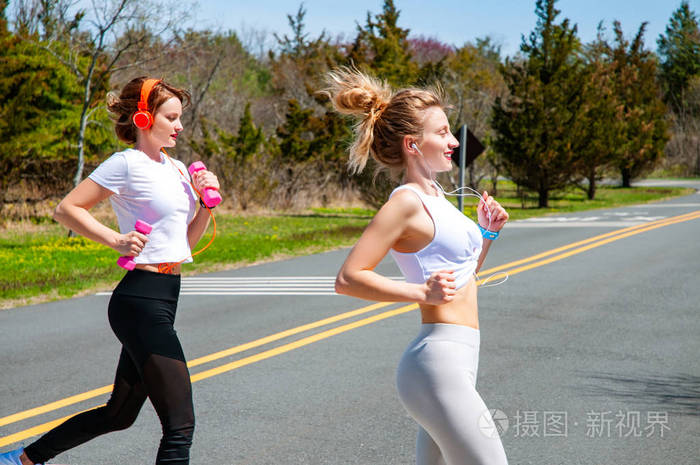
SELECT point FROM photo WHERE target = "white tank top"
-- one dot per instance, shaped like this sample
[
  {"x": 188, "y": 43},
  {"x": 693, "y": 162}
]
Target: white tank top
[
  {"x": 456, "y": 243},
  {"x": 154, "y": 192}
]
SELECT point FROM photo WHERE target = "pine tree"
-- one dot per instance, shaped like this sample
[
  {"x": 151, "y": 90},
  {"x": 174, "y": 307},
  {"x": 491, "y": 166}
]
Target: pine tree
[
  {"x": 534, "y": 123},
  {"x": 299, "y": 66},
  {"x": 643, "y": 114},
  {"x": 384, "y": 48},
  {"x": 238, "y": 158},
  {"x": 40, "y": 104},
  {"x": 600, "y": 124},
  {"x": 297, "y": 45},
  {"x": 679, "y": 50},
  {"x": 294, "y": 136}
]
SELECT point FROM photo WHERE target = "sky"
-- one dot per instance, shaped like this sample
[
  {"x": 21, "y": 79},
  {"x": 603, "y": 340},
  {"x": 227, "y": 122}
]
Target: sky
[{"x": 451, "y": 21}]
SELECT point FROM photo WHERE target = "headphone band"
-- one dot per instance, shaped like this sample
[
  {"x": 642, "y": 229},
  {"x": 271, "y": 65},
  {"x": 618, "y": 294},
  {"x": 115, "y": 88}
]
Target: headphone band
[{"x": 146, "y": 88}]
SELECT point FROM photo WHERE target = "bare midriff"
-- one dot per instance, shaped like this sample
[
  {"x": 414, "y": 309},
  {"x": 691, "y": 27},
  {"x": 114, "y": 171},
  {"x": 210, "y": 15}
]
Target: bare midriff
[
  {"x": 167, "y": 268},
  {"x": 462, "y": 310}
]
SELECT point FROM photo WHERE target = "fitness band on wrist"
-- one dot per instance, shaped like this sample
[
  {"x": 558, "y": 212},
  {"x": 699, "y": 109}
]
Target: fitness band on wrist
[
  {"x": 201, "y": 204},
  {"x": 486, "y": 234}
]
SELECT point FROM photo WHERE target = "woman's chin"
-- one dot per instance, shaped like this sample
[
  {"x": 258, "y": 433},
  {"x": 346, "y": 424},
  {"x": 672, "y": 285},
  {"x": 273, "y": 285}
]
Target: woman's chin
[{"x": 447, "y": 168}]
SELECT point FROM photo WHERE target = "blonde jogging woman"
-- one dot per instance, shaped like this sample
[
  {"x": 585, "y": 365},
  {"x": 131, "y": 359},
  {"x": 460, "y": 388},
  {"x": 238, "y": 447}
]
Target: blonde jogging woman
[{"x": 438, "y": 250}]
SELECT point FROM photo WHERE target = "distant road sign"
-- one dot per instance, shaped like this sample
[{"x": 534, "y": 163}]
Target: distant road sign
[{"x": 473, "y": 147}]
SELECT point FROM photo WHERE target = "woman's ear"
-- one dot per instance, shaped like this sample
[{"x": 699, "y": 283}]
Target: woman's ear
[{"x": 410, "y": 145}]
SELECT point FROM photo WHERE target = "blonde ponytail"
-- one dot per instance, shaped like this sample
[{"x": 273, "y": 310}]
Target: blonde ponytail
[
  {"x": 364, "y": 97},
  {"x": 383, "y": 116}
]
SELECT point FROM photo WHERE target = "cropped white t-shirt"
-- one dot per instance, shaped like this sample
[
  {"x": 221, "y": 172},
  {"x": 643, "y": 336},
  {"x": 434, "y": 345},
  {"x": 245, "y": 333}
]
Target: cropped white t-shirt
[
  {"x": 154, "y": 192},
  {"x": 456, "y": 243}
]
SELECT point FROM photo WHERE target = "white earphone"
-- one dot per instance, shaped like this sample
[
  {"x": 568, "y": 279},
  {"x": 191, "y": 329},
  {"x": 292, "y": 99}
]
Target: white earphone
[
  {"x": 473, "y": 193},
  {"x": 456, "y": 193}
]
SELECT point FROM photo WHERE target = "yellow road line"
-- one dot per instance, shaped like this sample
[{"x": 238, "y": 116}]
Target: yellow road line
[
  {"x": 668, "y": 222},
  {"x": 55, "y": 405},
  {"x": 283, "y": 334},
  {"x": 300, "y": 343},
  {"x": 607, "y": 238},
  {"x": 44, "y": 427},
  {"x": 192, "y": 363},
  {"x": 585, "y": 241},
  {"x": 39, "y": 429}
]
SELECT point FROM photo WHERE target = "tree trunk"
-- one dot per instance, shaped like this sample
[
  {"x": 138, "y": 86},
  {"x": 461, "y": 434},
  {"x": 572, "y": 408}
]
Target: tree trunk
[
  {"x": 543, "y": 197},
  {"x": 87, "y": 99},
  {"x": 521, "y": 195},
  {"x": 591, "y": 185},
  {"x": 626, "y": 177},
  {"x": 81, "y": 147}
]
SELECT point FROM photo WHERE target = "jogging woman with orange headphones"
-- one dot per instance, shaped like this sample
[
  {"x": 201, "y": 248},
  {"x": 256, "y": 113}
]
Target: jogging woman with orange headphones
[{"x": 145, "y": 185}]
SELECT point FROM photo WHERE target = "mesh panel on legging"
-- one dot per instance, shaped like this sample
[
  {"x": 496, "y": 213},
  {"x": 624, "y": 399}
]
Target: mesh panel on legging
[
  {"x": 142, "y": 313},
  {"x": 120, "y": 412},
  {"x": 170, "y": 392},
  {"x": 164, "y": 380}
]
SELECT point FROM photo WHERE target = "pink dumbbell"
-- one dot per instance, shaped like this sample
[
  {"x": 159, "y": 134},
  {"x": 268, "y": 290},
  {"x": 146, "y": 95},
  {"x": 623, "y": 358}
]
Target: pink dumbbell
[
  {"x": 127, "y": 262},
  {"x": 210, "y": 196}
]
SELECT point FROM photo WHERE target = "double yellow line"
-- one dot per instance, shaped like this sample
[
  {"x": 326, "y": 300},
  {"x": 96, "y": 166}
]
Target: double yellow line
[{"x": 511, "y": 268}]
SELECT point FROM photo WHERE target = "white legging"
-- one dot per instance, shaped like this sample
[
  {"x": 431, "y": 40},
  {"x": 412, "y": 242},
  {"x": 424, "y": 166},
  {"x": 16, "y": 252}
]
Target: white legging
[{"x": 436, "y": 381}]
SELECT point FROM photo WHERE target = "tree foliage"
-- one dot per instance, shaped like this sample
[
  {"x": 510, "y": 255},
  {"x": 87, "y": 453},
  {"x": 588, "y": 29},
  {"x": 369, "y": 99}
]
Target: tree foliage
[
  {"x": 40, "y": 105},
  {"x": 556, "y": 114},
  {"x": 239, "y": 159},
  {"x": 536, "y": 124},
  {"x": 383, "y": 47},
  {"x": 679, "y": 51},
  {"x": 601, "y": 121},
  {"x": 644, "y": 131}
]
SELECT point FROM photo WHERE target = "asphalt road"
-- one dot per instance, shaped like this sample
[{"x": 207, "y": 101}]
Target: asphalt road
[{"x": 589, "y": 355}]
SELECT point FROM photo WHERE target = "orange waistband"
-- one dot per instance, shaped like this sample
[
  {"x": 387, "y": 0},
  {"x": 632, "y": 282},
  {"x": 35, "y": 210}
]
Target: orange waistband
[{"x": 165, "y": 267}]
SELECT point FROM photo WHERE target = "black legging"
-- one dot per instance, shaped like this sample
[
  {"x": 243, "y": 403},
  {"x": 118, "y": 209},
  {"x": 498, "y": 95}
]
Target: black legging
[{"x": 151, "y": 364}]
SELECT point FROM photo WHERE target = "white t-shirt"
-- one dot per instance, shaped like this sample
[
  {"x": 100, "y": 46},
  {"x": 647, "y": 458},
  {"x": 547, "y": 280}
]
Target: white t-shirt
[{"x": 154, "y": 192}]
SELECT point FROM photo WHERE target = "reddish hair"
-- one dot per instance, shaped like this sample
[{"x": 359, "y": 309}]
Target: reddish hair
[{"x": 123, "y": 106}]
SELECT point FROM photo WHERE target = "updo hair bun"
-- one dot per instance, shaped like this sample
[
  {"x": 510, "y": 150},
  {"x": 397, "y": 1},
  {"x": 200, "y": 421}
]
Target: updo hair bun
[
  {"x": 384, "y": 116},
  {"x": 356, "y": 94}
]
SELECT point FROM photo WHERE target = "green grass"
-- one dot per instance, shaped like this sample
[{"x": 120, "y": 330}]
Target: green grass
[
  {"x": 40, "y": 263},
  {"x": 46, "y": 263}
]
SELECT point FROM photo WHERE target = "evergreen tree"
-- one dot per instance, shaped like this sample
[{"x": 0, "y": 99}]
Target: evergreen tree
[
  {"x": 310, "y": 149},
  {"x": 383, "y": 46},
  {"x": 297, "y": 45},
  {"x": 40, "y": 104},
  {"x": 643, "y": 114},
  {"x": 3, "y": 18},
  {"x": 239, "y": 159},
  {"x": 90, "y": 52},
  {"x": 679, "y": 50},
  {"x": 299, "y": 66},
  {"x": 294, "y": 136},
  {"x": 534, "y": 123},
  {"x": 600, "y": 124}
]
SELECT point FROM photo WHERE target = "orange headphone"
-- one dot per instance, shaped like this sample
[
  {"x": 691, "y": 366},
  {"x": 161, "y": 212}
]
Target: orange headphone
[{"x": 143, "y": 119}]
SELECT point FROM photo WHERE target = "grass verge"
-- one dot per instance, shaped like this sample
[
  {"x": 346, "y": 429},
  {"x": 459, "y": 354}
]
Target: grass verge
[{"x": 41, "y": 264}]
